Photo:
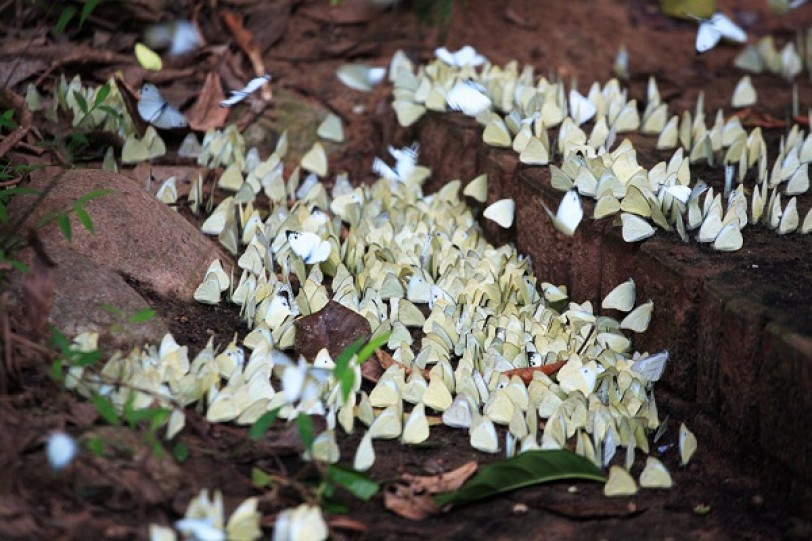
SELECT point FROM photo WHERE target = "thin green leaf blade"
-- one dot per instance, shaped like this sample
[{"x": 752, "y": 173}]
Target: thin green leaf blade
[
  {"x": 94, "y": 194},
  {"x": 84, "y": 219},
  {"x": 305, "y": 426},
  {"x": 87, "y": 9},
  {"x": 371, "y": 346},
  {"x": 142, "y": 316},
  {"x": 64, "y": 225},
  {"x": 527, "y": 469},
  {"x": 102, "y": 92},
  {"x": 361, "y": 486},
  {"x": 64, "y": 18},
  {"x": 262, "y": 424},
  {"x": 81, "y": 101},
  {"x": 106, "y": 409}
]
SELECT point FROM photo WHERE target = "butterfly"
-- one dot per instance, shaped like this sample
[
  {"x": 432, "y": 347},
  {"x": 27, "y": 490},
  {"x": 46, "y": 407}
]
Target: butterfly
[
  {"x": 466, "y": 56},
  {"x": 469, "y": 97},
  {"x": 360, "y": 76},
  {"x": 712, "y": 30},
  {"x": 308, "y": 246},
  {"x": 502, "y": 212},
  {"x": 238, "y": 95},
  {"x": 655, "y": 475},
  {"x": 405, "y": 163},
  {"x": 620, "y": 483},
  {"x": 61, "y": 449},
  {"x": 154, "y": 109},
  {"x": 569, "y": 213}
]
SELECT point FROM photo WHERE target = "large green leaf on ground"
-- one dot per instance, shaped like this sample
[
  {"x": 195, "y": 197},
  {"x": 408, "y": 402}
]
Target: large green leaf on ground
[{"x": 530, "y": 468}]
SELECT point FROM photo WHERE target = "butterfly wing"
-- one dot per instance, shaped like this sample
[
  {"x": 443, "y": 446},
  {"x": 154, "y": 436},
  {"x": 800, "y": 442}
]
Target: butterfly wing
[
  {"x": 728, "y": 29},
  {"x": 570, "y": 211},
  {"x": 707, "y": 37},
  {"x": 151, "y": 103}
]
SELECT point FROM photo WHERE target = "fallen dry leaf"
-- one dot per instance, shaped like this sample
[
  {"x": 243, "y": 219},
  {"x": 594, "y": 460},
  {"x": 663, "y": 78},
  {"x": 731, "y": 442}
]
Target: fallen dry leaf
[
  {"x": 333, "y": 327},
  {"x": 206, "y": 113},
  {"x": 443, "y": 482},
  {"x": 527, "y": 373},
  {"x": 245, "y": 41},
  {"x": 411, "y": 498},
  {"x": 401, "y": 500},
  {"x": 752, "y": 119}
]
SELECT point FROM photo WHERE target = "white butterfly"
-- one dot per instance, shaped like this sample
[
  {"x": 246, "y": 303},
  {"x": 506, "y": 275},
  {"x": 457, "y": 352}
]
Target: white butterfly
[
  {"x": 360, "y": 76},
  {"x": 467, "y": 56},
  {"x": 581, "y": 108},
  {"x": 469, "y": 97},
  {"x": 238, "y": 95},
  {"x": 61, "y": 449},
  {"x": 569, "y": 213},
  {"x": 712, "y": 30},
  {"x": 405, "y": 162},
  {"x": 652, "y": 366},
  {"x": 308, "y": 246},
  {"x": 154, "y": 109}
]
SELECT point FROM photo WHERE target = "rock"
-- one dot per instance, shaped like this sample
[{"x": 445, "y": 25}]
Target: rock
[
  {"x": 333, "y": 327},
  {"x": 137, "y": 237},
  {"x": 80, "y": 290}
]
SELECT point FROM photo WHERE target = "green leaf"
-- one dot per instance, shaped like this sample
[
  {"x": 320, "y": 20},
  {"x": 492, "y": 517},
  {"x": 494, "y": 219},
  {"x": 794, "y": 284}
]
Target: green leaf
[
  {"x": 64, "y": 18},
  {"x": 93, "y": 195},
  {"x": 5, "y": 195},
  {"x": 3, "y": 213},
  {"x": 112, "y": 309},
  {"x": 84, "y": 358},
  {"x": 110, "y": 111},
  {"x": 87, "y": 9},
  {"x": 81, "y": 101},
  {"x": 96, "y": 445},
  {"x": 19, "y": 265},
  {"x": 106, "y": 409},
  {"x": 142, "y": 315},
  {"x": 180, "y": 452},
  {"x": 361, "y": 486},
  {"x": 334, "y": 507},
  {"x": 262, "y": 424},
  {"x": 6, "y": 119},
  {"x": 57, "y": 370},
  {"x": 64, "y": 224},
  {"x": 84, "y": 218},
  {"x": 370, "y": 348},
  {"x": 102, "y": 92},
  {"x": 342, "y": 371},
  {"x": 527, "y": 469},
  {"x": 305, "y": 425},
  {"x": 259, "y": 478}
]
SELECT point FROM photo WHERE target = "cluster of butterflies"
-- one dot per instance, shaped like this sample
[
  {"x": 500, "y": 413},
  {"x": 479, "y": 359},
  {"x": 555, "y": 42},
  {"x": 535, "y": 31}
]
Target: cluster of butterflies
[
  {"x": 205, "y": 519},
  {"x": 390, "y": 249},
  {"x": 763, "y": 56},
  {"x": 154, "y": 109},
  {"x": 666, "y": 196}
]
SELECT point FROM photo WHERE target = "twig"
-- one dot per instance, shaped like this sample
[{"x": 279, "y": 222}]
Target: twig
[{"x": 17, "y": 101}]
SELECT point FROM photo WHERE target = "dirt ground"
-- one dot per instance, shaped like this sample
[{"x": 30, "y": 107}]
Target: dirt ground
[{"x": 113, "y": 497}]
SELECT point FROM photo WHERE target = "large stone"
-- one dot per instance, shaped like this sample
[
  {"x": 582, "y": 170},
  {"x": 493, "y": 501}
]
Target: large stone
[{"x": 136, "y": 236}]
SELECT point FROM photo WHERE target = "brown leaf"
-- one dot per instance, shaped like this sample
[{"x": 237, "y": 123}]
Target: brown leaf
[
  {"x": 401, "y": 500},
  {"x": 245, "y": 41},
  {"x": 527, "y": 373},
  {"x": 206, "y": 113},
  {"x": 343, "y": 522},
  {"x": 131, "y": 102},
  {"x": 443, "y": 482},
  {"x": 333, "y": 327},
  {"x": 411, "y": 498}
]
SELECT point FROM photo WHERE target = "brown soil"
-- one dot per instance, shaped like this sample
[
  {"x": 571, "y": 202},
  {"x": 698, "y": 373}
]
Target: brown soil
[{"x": 115, "y": 496}]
